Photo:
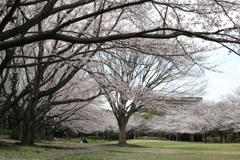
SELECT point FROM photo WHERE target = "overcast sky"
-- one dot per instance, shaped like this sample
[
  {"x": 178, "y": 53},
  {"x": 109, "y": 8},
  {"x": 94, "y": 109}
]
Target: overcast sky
[{"x": 223, "y": 83}]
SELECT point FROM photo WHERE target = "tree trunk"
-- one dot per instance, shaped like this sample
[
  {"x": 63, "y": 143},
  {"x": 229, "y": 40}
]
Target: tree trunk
[
  {"x": 122, "y": 131},
  {"x": 204, "y": 136},
  {"x": 227, "y": 141},
  {"x": 28, "y": 130},
  {"x": 30, "y": 117},
  {"x": 134, "y": 133},
  {"x": 17, "y": 130},
  {"x": 169, "y": 137},
  {"x": 1, "y": 126},
  {"x": 237, "y": 137},
  {"x": 191, "y": 137},
  {"x": 224, "y": 137}
]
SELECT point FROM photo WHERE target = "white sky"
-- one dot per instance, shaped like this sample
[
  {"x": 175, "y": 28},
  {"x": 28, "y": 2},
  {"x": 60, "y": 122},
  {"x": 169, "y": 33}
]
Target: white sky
[{"x": 223, "y": 83}]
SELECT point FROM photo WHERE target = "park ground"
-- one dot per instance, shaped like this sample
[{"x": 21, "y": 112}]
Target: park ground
[{"x": 107, "y": 150}]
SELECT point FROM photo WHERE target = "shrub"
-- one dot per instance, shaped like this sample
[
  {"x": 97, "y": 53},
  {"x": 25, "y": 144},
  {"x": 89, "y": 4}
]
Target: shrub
[
  {"x": 163, "y": 138},
  {"x": 231, "y": 138},
  {"x": 7, "y": 132},
  {"x": 214, "y": 140}
]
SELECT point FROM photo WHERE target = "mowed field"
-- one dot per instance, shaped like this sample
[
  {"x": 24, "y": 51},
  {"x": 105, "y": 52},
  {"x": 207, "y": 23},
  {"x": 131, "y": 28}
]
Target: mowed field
[{"x": 106, "y": 150}]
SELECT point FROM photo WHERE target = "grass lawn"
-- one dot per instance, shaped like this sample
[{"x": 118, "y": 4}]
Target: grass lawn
[{"x": 105, "y": 150}]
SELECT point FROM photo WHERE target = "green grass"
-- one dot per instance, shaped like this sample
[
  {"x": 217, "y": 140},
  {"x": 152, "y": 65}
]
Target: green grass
[
  {"x": 186, "y": 145},
  {"x": 150, "y": 150}
]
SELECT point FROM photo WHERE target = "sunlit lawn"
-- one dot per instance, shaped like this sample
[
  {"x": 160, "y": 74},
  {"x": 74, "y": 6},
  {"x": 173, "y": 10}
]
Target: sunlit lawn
[
  {"x": 165, "y": 150},
  {"x": 150, "y": 150},
  {"x": 186, "y": 145}
]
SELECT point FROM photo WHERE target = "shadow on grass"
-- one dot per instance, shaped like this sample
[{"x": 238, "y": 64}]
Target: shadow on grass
[
  {"x": 6, "y": 145},
  {"x": 60, "y": 147},
  {"x": 16, "y": 145}
]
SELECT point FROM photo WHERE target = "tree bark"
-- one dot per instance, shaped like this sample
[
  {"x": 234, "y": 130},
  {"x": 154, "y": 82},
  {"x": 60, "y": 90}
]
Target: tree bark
[
  {"x": 30, "y": 115},
  {"x": 191, "y": 137},
  {"x": 134, "y": 133},
  {"x": 1, "y": 126},
  {"x": 237, "y": 137},
  {"x": 223, "y": 137},
  {"x": 122, "y": 131},
  {"x": 17, "y": 130},
  {"x": 28, "y": 126},
  {"x": 204, "y": 136}
]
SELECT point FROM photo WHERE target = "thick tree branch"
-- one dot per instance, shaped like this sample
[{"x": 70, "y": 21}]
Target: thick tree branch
[
  {"x": 8, "y": 17},
  {"x": 76, "y": 100},
  {"x": 209, "y": 36}
]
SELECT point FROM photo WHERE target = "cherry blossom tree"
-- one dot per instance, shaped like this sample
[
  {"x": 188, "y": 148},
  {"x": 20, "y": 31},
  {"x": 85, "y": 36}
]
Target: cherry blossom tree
[
  {"x": 69, "y": 104},
  {"x": 206, "y": 118},
  {"x": 87, "y": 119},
  {"x": 55, "y": 84},
  {"x": 230, "y": 102},
  {"x": 131, "y": 81},
  {"x": 95, "y": 120},
  {"x": 216, "y": 118}
]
